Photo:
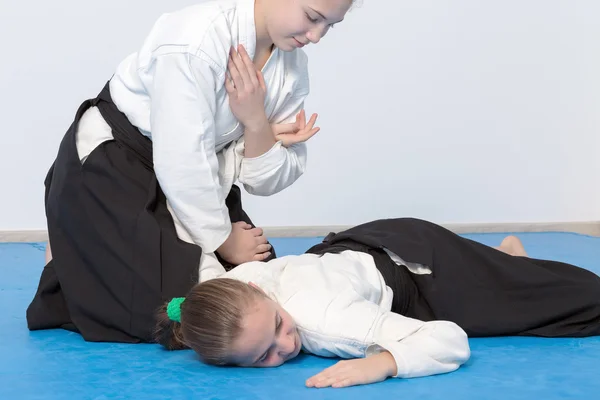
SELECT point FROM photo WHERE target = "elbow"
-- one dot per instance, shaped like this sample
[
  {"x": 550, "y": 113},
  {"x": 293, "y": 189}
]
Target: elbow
[
  {"x": 457, "y": 341},
  {"x": 268, "y": 185},
  {"x": 265, "y": 189},
  {"x": 260, "y": 192},
  {"x": 162, "y": 171},
  {"x": 274, "y": 171}
]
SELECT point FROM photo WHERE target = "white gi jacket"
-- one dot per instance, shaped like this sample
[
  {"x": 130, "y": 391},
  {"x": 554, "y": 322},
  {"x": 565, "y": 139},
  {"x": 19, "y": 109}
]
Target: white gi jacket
[
  {"x": 341, "y": 305},
  {"x": 173, "y": 91}
]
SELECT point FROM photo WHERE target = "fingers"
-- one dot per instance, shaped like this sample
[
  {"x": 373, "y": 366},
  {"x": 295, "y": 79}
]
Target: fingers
[
  {"x": 260, "y": 238},
  {"x": 312, "y": 381},
  {"x": 243, "y": 71},
  {"x": 308, "y": 131},
  {"x": 305, "y": 136},
  {"x": 229, "y": 85},
  {"x": 258, "y": 232},
  {"x": 301, "y": 119},
  {"x": 278, "y": 129},
  {"x": 311, "y": 122},
  {"x": 255, "y": 76},
  {"x": 301, "y": 136},
  {"x": 262, "y": 256},
  {"x": 238, "y": 70},
  {"x": 343, "y": 383},
  {"x": 322, "y": 380},
  {"x": 263, "y": 248},
  {"x": 261, "y": 80},
  {"x": 333, "y": 381},
  {"x": 234, "y": 73},
  {"x": 336, "y": 376},
  {"x": 243, "y": 225},
  {"x": 301, "y": 122},
  {"x": 250, "y": 68}
]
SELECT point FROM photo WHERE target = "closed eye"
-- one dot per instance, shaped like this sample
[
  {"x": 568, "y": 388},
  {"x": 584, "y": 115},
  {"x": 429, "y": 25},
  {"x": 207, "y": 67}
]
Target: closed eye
[
  {"x": 311, "y": 19},
  {"x": 314, "y": 20},
  {"x": 278, "y": 322}
]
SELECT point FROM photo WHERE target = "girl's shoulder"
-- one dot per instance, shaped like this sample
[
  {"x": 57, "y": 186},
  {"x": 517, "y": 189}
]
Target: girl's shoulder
[
  {"x": 195, "y": 23},
  {"x": 205, "y": 30}
]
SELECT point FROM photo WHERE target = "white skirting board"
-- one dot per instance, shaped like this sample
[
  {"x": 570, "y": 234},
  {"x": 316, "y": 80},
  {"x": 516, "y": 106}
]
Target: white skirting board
[{"x": 591, "y": 228}]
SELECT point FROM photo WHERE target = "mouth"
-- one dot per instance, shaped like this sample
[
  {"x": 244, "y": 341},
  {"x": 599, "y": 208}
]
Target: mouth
[{"x": 299, "y": 44}]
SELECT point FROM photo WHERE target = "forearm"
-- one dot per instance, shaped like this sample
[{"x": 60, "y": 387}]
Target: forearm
[
  {"x": 258, "y": 138},
  {"x": 388, "y": 362},
  {"x": 437, "y": 347},
  {"x": 184, "y": 157},
  {"x": 274, "y": 170}
]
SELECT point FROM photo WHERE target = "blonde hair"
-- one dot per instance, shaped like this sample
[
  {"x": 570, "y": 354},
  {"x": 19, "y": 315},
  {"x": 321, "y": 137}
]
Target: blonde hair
[{"x": 211, "y": 319}]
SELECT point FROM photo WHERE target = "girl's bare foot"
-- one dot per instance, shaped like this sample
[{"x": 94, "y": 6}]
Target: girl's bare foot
[
  {"x": 512, "y": 245},
  {"x": 48, "y": 253}
]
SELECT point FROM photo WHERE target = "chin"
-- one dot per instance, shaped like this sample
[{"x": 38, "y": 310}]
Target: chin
[
  {"x": 287, "y": 49},
  {"x": 286, "y": 46}
]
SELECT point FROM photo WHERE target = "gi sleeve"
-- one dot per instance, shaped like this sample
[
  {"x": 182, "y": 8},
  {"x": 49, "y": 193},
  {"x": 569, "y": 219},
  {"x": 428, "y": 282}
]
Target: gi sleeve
[
  {"x": 419, "y": 348},
  {"x": 281, "y": 166},
  {"x": 183, "y": 135}
]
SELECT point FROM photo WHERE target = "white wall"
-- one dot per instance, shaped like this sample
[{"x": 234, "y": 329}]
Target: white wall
[{"x": 455, "y": 111}]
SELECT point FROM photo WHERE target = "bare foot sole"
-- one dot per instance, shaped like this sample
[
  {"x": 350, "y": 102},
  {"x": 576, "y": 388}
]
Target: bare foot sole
[
  {"x": 512, "y": 245},
  {"x": 48, "y": 253}
]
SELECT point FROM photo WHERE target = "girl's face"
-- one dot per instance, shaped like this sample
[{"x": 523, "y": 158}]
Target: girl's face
[
  {"x": 294, "y": 23},
  {"x": 269, "y": 336}
]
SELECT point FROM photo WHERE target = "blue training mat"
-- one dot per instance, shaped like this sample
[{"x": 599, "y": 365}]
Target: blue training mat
[{"x": 60, "y": 365}]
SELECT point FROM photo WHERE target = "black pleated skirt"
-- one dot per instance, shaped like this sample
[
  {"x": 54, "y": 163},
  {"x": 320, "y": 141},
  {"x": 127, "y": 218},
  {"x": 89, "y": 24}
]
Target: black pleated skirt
[
  {"x": 483, "y": 290},
  {"x": 116, "y": 254}
]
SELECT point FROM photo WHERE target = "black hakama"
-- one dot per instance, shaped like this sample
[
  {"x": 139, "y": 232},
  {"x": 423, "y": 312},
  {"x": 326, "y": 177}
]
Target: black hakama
[
  {"x": 483, "y": 290},
  {"x": 116, "y": 254}
]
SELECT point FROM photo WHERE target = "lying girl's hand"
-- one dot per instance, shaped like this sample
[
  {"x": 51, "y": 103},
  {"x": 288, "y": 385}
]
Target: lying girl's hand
[
  {"x": 246, "y": 88},
  {"x": 360, "y": 371},
  {"x": 296, "y": 132}
]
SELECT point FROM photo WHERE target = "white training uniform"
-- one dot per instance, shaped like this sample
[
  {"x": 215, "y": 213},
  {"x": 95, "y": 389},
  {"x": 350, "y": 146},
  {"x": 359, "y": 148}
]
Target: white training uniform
[
  {"x": 341, "y": 305},
  {"x": 173, "y": 91}
]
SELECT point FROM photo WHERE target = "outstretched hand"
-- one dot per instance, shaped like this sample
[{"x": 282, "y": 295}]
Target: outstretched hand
[
  {"x": 296, "y": 132},
  {"x": 360, "y": 371}
]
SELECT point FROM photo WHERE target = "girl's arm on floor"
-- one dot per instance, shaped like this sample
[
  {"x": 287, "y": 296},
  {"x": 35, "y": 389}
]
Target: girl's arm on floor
[{"x": 355, "y": 327}]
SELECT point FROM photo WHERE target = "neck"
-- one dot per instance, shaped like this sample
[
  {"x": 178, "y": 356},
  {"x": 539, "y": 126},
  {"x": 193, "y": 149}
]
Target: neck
[{"x": 263, "y": 40}]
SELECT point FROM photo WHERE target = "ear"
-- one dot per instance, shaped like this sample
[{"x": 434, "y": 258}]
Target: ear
[{"x": 254, "y": 285}]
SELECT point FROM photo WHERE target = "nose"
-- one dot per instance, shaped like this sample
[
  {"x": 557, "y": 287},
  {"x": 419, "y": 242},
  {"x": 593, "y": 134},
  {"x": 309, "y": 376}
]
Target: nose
[
  {"x": 315, "y": 35},
  {"x": 287, "y": 345}
]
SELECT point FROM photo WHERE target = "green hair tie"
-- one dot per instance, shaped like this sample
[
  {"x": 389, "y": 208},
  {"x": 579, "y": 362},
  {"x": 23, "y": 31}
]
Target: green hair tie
[{"x": 174, "y": 308}]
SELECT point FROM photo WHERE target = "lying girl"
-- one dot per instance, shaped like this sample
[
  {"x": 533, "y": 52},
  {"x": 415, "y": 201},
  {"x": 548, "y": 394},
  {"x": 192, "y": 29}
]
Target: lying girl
[{"x": 399, "y": 297}]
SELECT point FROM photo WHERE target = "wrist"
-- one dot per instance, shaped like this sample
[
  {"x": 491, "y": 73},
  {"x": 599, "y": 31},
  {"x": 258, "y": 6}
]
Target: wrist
[
  {"x": 257, "y": 125},
  {"x": 224, "y": 244},
  {"x": 390, "y": 362},
  {"x": 259, "y": 138}
]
